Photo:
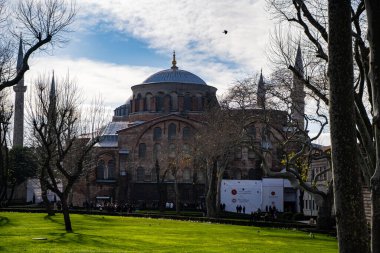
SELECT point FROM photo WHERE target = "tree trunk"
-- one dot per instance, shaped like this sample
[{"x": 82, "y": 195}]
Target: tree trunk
[
  {"x": 373, "y": 17},
  {"x": 324, "y": 219},
  {"x": 217, "y": 200},
  {"x": 177, "y": 196},
  {"x": 49, "y": 209},
  {"x": 375, "y": 219},
  {"x": 11, "y": 195},
  {"x": 211, "y": 191},
  {"x": 351, "y": 225},
  {"x": 66, "y": 214},
  {"x": 159, "y": 191}
]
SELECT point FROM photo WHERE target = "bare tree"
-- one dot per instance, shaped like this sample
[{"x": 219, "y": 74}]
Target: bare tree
[
  {"x": 6, "y": 111},
  {"x": 42, "y": 23},
  {"x": 348, "y": 197},
  {"x": 214, "y": 147},
  {"x": 312, "y": 18},
  {"x": 373, "y": 15},
  {"x": 286, "y": 142},
  {"x": 64, "y": 135},
  {"x": 160, "y": 179}
]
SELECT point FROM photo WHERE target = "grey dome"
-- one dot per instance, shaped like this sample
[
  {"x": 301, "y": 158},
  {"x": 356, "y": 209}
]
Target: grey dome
[{"x": 174, "y": 76}]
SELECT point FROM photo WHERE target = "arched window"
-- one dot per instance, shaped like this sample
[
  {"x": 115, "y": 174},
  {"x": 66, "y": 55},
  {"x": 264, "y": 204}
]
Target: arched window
[
  {"x": 154, "y": 175},
  {"x": 148, "y": 101},
  {"x": 201, "y": 176},
  {"x": 157, "y": 133},
  {"x": 186, "y": 133},
  {"x": 140, "y": 174},
  {"x": 238, "y": 153},
  {"x": 199, "y": 102},
  {"x": 100, "y": 169},
  {"x": 237, "y": 174},
  {"x": 172, "y": 151},
  {"x": 187, "y": 103},
  {"x": 148, "y": 176},
  {"x": 172, "y": 131},
  {"x": 111, "y": 169},
  {"x": 137, "y": 103},
  {"x": 174, "y": 101},
  {"x": 168, "y": 103},
  {"x": 186, "y": 174},
  {"x": 159, "y": 102},
  {"x": 251, "y": 131},
  {"x": 156, "y": 152},
  {"x": 142, "y": 150},
  {"x": 186, "y": 149}
]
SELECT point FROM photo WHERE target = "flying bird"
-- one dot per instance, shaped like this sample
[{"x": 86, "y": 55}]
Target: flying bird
[{"x": 225, "y": 31}]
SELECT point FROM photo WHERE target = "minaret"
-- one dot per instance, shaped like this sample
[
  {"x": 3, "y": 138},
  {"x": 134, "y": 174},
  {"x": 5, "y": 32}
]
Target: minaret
[
  {"x": 298, "y": 94},
  {"x": 19, "y": 89},
  {"x": 52, "y": 103},
  {"x": 261, "y": 92}
]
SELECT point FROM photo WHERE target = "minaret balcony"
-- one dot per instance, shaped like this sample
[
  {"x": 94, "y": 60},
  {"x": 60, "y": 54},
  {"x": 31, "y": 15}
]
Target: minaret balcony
[{"x": 19, "y": 88}]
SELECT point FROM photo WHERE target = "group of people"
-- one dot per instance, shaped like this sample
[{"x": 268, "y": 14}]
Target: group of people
[
  {"x": 110, "y": 207},
  {"x": 272, "y": 211},
  {"x": 240, "y": 209}
]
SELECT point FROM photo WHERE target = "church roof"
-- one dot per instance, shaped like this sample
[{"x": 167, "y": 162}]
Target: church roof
[
  {"x": 174, "y": 76},
  {"x": 108, "y": 138}
]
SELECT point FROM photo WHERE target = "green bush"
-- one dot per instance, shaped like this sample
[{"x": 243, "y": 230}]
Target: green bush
[
  {"x": 287, "y": 216},
  {"x": 298, "y": 216}
]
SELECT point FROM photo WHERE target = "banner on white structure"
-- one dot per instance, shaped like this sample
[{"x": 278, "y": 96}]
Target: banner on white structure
[{"x": 252, "y": 194}]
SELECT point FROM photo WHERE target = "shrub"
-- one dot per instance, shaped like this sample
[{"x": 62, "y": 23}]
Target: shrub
[
  {"x": 298, "y": 216},
  {"x": 287, "y": 216}
]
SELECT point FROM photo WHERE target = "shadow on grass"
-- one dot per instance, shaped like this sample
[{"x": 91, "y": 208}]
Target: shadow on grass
[
  {"x": 83, "y": 241},
  {"x": 50, "y": 218},
  {"x": 4, "y": 221}
]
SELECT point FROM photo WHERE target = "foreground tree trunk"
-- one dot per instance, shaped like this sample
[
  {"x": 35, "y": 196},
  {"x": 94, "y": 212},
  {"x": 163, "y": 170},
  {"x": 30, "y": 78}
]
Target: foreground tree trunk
[
  {"x": 49, "y": 209},
  {"x": 351, "y": 224},
  {"x": 373, "y": 17},
  {"x": 177, "y": 195},
  {"x": 66, "y": 214},
  {"x": 325, "y": 220},
  {"x": 211, "y": 191}
]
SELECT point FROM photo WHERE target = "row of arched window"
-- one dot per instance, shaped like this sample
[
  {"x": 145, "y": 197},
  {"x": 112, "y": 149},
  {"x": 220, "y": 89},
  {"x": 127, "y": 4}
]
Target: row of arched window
[
  {"x": 157, "y": 150},
  {"x": 172, "y": 132},
  {"x": 168, "y": 102},
  {"x": 144, "y": 175}
]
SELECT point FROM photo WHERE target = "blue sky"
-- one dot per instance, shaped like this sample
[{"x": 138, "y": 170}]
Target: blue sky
[
  {"x": 112, "y": 46},
  {"x": 116, "y": 44}
]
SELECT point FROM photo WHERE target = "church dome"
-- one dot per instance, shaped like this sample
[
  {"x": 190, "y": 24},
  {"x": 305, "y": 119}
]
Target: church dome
[{"x": 174, "y": 76}]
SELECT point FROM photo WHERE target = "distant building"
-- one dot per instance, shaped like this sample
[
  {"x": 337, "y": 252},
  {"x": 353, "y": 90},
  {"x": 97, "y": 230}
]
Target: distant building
[
  {"x": 159, "y": 122},
  {"x": 322, "y": 180}
]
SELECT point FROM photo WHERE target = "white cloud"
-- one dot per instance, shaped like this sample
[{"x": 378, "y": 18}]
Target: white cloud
[
  {"x": 193, "y": 28},
  {"x": 113, "y": 82}
]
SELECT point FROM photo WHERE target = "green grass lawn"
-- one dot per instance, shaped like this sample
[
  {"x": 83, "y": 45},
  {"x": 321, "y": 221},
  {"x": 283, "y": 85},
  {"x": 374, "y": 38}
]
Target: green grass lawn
[{"x": 126, "y": 234}]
